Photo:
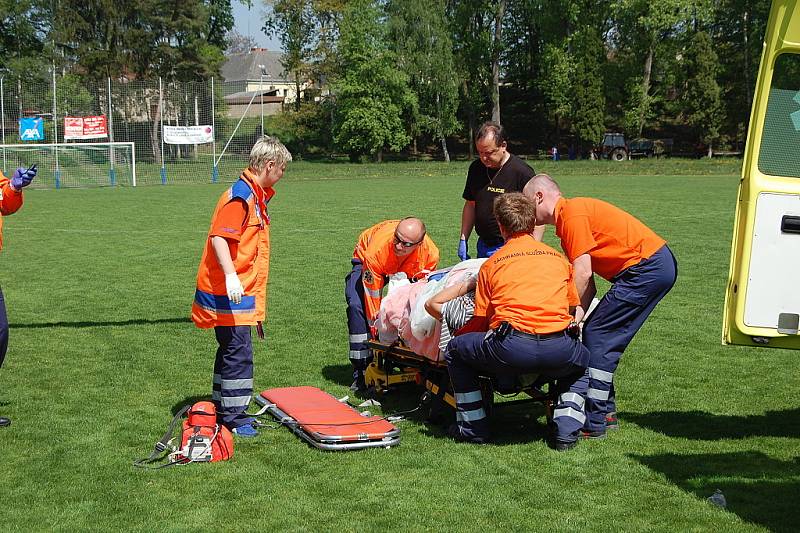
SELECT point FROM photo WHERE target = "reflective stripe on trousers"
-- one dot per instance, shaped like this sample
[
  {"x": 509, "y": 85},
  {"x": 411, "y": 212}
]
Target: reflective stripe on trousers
[
  {"x": 232, "y": 387},
  {"x": 612, "y": 325},
  {"x": 560, "y": 358},
  {"x": 357, "y": 326}
]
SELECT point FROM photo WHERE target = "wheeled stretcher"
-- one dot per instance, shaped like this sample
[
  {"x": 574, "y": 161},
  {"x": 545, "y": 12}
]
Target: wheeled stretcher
[
  {"x": 394, "y": 364},
  {"x": 326, "y": 423}
]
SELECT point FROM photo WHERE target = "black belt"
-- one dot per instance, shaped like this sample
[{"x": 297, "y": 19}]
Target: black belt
[{"x": 538, "y": 336}]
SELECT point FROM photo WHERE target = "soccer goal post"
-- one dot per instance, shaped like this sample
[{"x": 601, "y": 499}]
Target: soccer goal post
[{"x": 101, "y": 164}]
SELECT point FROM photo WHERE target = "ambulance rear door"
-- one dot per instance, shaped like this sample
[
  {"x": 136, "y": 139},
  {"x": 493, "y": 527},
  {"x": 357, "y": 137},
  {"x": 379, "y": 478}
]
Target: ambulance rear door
[{"x": 762, "y": 302}]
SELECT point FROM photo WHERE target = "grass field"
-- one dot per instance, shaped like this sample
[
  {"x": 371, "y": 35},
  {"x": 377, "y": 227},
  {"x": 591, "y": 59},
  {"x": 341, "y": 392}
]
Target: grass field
[{"x": 98, "y": 285}]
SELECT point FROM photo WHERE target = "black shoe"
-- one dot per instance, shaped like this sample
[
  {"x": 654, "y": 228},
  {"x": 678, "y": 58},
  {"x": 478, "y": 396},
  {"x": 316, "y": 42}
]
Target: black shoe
[
  {"x": 561, "y": 446},
  {"x": 4, "y": 422},
  {"x": 612, "y": 422},
  {"x": 359, "y": 385},
  {"x": 592, "y": 435},
  {"x": 454, "y": 432}
]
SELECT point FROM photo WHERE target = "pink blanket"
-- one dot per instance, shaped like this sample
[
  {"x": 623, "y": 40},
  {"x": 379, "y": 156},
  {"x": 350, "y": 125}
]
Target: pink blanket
[
  {"x": 394, "y": 318},
  {"x": 394, "y": 321}
]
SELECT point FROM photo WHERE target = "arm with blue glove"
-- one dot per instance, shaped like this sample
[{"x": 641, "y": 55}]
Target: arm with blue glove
[
  {"x": 22, "y": 177},
  {"x": 11, "y": 189},
  {"x": 467, "y": 223},
  {"x": 463, "y": 249}
]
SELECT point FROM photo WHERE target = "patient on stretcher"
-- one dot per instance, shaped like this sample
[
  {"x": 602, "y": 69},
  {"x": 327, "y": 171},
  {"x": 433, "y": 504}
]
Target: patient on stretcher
[
  {"x": 406, "y": 315},
  {"x": 453, "y": 306},
  {"x": 425, "y": 315}
]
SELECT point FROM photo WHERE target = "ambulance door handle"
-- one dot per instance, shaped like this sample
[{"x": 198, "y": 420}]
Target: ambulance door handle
[{"x": 790, "y": 224}]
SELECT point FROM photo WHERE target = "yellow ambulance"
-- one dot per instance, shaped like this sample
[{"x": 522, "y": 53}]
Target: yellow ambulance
[{"x": 762, "y": 303}]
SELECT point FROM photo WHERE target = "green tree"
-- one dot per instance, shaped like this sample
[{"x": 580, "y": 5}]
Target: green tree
[
  {"x": 555, "y": 84},
  {"x": 372, "y": 99},
  {"x": 418, "y": 32},
  {"x": 169, "y": 38},
  {"x": 588, "y": 109},
  {"x": 293, "y": 21},
  {"x": 737, "y": 31},
  {"x": 172, "y": 39},
  {"x": 646, "y": 29},
  {"x": 702, "y": 95},
  {"x": 498, "y": 13},
  {"x": 23, "y": 26},
  {"x": 470, "y": 28},
  {"x": 536, "y": 66},
  {"x": 219, "y": 22}
]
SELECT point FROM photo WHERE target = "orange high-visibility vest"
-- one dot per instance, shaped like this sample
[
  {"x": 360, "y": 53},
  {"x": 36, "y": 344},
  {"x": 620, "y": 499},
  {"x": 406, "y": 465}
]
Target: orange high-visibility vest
[
  {"x": 10, "y": 201},
  {"x": 211, "y": 306},
  {"x": 375, "y": 251}
]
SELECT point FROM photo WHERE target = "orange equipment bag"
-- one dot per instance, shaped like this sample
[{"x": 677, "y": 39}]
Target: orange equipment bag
[{"x": 202, "y": 439}]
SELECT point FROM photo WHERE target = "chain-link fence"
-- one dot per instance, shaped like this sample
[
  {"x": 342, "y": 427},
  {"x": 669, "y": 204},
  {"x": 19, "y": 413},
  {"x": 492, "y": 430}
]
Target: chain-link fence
[{"x": 132, "y": 116}]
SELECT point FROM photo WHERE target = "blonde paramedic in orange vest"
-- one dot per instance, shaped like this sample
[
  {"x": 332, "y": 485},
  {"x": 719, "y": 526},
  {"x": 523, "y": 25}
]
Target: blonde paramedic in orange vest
[
  {"x": 383, "y": 250},
  {"x": 525, "y": 298},
  {"x": 600, "y": 238},
  {"x": 10, "y": 202},
  {"x": 231, "y": 288}
]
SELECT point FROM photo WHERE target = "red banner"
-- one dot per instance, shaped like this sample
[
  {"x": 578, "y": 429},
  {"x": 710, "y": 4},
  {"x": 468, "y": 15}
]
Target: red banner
[
  {"x": 73, "y": 128},
  {"x": 80, "y": 128}
]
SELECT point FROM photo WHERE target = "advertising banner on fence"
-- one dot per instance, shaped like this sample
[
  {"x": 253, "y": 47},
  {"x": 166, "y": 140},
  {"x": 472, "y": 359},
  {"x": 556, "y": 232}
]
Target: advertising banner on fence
[
  {"x": 188, "y": 134},
  {"x": 79, "y": 128},
  {"x": 31, "y": 129}
]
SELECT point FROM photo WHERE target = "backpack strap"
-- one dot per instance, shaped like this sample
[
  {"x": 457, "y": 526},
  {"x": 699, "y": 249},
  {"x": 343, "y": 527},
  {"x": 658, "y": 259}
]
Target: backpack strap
[{"x": 162, "y": 445}]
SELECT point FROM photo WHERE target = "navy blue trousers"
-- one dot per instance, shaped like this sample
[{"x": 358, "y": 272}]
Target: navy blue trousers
[
  {"x": 485, "y": 250},
  {"x": 3, "y": 328},
  {"x": 232, "y": 387},
  {"x": 561, "y": 358},
  {"x": 613, "y": 323},
  {"x": 357, "y": 327}
]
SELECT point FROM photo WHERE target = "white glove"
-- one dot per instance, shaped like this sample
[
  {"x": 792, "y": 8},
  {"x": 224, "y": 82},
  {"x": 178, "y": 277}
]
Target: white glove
[{"x": 234, "y": 288}]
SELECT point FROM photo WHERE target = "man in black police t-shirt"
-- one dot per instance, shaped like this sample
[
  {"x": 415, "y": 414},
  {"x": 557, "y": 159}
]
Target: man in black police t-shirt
[{"x": 495, "y": 172}]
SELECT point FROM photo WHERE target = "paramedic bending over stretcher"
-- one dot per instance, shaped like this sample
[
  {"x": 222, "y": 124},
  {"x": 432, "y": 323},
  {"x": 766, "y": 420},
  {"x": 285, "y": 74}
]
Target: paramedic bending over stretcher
[
  {"x": 383, "y": 250},
  {"x": 526, "y": 295},
  {"x": 601, "y": 238}
]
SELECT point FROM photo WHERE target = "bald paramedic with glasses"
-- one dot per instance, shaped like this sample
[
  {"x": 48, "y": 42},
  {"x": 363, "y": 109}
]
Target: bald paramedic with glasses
[{"x": 383, "y": 250}]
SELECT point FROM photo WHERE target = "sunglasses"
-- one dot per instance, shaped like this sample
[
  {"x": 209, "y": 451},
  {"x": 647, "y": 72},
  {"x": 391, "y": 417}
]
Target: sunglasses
[{"x": 406, "y": 244}]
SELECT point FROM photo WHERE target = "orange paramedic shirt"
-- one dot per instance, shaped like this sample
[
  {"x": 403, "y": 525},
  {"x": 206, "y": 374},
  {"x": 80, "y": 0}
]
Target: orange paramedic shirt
[
  {"x": 375, "y": 250},
  {"x": 527, "y": 284},
  {"x": 248, "y": 241},
  {"x": 230, "y": 219},
  {"x": 613, "y": 238}
]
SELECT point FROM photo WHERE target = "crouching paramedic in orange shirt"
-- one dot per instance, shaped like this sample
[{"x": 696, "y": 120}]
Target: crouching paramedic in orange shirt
[
  {"x": 598, "y": 237},
  {"x": 526, "y": 297},
  {"x": 231, "y": 289},
  {"x": 383, "y": 250}
]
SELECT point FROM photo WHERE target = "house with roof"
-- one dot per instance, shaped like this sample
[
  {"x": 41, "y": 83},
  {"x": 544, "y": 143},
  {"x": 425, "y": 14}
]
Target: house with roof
[{"x": 257, "y": 80}]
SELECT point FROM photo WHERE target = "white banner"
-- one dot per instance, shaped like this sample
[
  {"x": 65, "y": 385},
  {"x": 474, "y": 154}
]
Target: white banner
[{"x": 188, "y": 134}]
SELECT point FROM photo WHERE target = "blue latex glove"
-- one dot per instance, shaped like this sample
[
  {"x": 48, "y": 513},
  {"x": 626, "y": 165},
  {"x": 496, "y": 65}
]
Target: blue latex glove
[
  {"x": 22, "y": 177},
  {"x": 462, "y": 250}
]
